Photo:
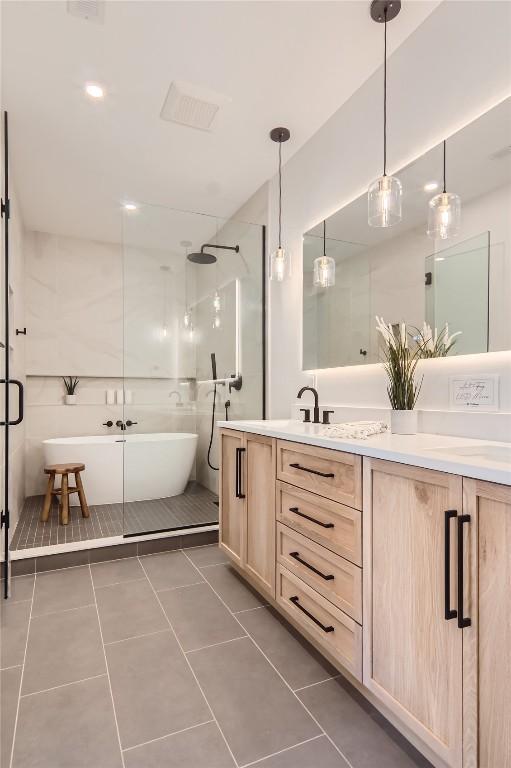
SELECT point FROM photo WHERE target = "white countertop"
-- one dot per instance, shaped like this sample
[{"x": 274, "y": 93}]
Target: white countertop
[{"x": 481, "y": 459}]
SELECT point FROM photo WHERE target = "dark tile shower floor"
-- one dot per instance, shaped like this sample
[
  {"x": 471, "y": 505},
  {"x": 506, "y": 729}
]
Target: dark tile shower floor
[
  {"x": 195, "y": 507},
  {"x": 171, "y": 660}
]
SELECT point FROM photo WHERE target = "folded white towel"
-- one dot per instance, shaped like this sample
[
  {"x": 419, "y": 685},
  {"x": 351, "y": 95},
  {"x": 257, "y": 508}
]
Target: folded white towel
[{"x": 360, "y": 430}]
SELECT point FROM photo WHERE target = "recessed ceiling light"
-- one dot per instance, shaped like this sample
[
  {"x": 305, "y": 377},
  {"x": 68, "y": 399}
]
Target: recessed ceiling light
[
  {"x": 94, "y": 90},
  {"x": 130, "y": 207},
  {"x": 431, "y": 186}
]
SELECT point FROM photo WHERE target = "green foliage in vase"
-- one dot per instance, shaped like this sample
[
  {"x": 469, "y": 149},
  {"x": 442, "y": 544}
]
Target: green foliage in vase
[
  {"x": 435, "y": 344},
  {"x": 400, "y": 362},
  {"x": 70, "y": 383}
]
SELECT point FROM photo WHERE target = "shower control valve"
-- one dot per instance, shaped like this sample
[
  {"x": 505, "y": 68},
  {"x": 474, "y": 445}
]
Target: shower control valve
[
  {"x": 108, "y": 423},
  {"x": 130, "y": 423}
]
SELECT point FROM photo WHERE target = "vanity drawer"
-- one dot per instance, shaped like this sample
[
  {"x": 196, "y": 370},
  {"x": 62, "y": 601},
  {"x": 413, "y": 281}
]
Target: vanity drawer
[
  {"x": 331, "y": 629},
  {"x": 332, "y": 576},
  {"x": 333, "y": 474},
  {"x": 326, "y": 522}
]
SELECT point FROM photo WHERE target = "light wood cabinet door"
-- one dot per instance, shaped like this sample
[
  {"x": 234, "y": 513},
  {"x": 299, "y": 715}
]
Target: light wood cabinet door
[
  {"x": 487, "y": 642},
  {"x": 413, "y": 655},
  {"x": 231, "y": 496},
  {"x": 259, "y": 534}
]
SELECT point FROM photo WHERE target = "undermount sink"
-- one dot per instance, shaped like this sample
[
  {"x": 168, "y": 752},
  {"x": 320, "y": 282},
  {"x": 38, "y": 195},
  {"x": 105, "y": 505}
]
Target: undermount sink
[{"x": 499, "y": 453}]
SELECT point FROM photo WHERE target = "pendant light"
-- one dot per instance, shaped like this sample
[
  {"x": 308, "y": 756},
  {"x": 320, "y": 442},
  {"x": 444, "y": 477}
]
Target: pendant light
[
  {"x": 280, "y": 267},
  {"x": 384, "y": 194},
  {"x": 324, "y": 267},
  {"x": 444, "y": 213}
]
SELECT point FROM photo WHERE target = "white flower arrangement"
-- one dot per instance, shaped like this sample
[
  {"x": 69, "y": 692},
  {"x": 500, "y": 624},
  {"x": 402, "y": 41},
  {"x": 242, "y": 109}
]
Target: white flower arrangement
[{"x": 435, "y": 344}]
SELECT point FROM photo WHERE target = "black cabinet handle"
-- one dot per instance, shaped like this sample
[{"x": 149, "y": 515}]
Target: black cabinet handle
[
  {"x": 312, "y": 471},
  {"x": 296, "y": 556},
  {"x": 239, "y": 492},
  {"x": 449, "y": 613},
  {"x": 463, "y": 621},
  {"x": 21, "y": 402},
  {"x": 296, "y": 601},
  {"x": 296, "y": 511}
]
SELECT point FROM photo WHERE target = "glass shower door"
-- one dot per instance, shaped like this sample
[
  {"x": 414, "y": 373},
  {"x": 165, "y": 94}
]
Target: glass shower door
[{"x": 187, "y": 325}]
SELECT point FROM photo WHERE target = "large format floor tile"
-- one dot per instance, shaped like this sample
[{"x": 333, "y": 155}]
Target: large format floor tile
[
  {"x": 63, "y": 647},
  {"x": 154, "y": 690},
  {"x": 357, "y": 728},
  {"x": 318, "y": 753},
  {"x": 68, "y": 727},
  {"x": 204, "y": 556},
  {"x": 9, "y": 687},
  {"x": 201, "y": 747},
  {"x": 129, "y": 609},
  {"x": 297, "y": 661},
  {"x": 255, "y": 709},
  {"x": 21, "y": 588},
  {"x": 58, "y": 590},
  {"x": 235, "y": 592},
  {"x": 116, "y": 571},
  {"x": 15, "y": 618},
  {"x": 171, "y": 569},
  {"x": 198, "y": 617}
]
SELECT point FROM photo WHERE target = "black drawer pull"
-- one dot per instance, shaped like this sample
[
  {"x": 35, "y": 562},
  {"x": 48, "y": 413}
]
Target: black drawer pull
[
  {"x": 296, "y": 556},
  {"x": 449, "y": 613},
  {"x": 463, "y": 621},
  {"x": 312, "y": 471},
  {"x": 296, "y": 511},
  {"x": 239, "y": 491},
  {"x": 296, "y": 601}
]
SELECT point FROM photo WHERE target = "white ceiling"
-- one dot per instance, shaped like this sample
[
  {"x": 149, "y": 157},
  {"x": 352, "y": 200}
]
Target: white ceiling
[{"x": 289, "y": 63}]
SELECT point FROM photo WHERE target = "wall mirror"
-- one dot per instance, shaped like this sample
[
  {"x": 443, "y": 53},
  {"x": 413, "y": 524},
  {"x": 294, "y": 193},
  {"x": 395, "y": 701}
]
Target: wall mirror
[{"x": 402, "y": 274}]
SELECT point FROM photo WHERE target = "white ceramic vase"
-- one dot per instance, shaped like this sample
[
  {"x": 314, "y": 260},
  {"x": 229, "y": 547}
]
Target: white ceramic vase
[
  {"x": 70, "y": 399},
  {"x": 403, "y": 422}
]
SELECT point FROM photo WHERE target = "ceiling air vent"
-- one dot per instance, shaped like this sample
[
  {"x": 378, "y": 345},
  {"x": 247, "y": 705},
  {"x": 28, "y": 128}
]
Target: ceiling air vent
[
  {"x": 90, "y": 10},
  {"x": 191, "y": 105}
]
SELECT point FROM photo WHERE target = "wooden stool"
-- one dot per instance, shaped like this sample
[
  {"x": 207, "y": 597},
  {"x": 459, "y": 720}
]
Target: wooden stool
[{"x": 64, "y": 469}]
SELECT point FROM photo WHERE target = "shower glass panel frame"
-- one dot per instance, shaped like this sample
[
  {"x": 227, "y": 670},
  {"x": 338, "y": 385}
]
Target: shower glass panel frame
[{"x": 193, "y": 340}]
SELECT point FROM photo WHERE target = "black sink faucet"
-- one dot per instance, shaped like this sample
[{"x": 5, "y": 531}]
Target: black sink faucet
[{"x": 315, "y": 420}]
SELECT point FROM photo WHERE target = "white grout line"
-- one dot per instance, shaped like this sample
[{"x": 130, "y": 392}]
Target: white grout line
[
  {"x": 116, "y": 583},
  {"x": 211, "y": 565},
  {"x": 281, "y": 751},
  {"x": 22, "y": 673},
  {"x": 282, "y": 678},
  {"x": 246, "y": 610},
  {"x": 63, "y": 610},
  {"x": 13, "y": 666},
  {"x": 180, "y": 586},
  {"x": 191, "y": 668},
  {"x": 214, "y": 645},
  {"x": 107, "y": 671},
  {"x": 137, "y": 637},
  {"x": 166, "y": 736},
  {"x": 319, "y": 682},
  {"x": 63, "y": 685}
]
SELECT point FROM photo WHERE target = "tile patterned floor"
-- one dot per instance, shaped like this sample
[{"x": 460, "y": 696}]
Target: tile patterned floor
[
  {"x": 196, "y": 506},
  {"x": 171, "y": 660}
]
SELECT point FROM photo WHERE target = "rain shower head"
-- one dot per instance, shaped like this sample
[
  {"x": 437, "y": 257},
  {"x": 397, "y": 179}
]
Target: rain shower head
[{"x": 202, "y": 257}]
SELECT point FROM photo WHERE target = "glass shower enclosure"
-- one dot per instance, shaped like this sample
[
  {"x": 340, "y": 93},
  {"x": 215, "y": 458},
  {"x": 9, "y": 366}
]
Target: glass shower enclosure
[{"x": 194, "y": 330}]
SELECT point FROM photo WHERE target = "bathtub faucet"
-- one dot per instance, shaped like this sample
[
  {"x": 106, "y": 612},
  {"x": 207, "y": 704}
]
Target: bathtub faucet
[{"x": 121, "y": 425}]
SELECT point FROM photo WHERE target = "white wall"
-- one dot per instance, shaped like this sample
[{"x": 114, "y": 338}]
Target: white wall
[{"x": 430, "y": 97}]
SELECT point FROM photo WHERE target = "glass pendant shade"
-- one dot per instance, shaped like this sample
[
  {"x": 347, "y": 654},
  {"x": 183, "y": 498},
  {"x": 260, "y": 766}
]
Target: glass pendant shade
[
  {"x": 324, "y": 272},
  {"x": 217, "y": 322},
  {"x": 187, "y": 319},
  {"x": 444, "y": 215},
  {"x": 280, "y": 267},
  {"x": 384, "y": 199}
]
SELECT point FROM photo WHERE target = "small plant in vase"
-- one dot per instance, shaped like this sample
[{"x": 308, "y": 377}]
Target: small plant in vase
[
  {"x": 70, "y": 383},
  {"x": 400, "y": 366},
  {"x": 435, "y": 344}
]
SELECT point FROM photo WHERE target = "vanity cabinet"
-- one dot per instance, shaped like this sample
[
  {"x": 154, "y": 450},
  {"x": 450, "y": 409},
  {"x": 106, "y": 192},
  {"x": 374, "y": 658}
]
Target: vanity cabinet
[
  {"x": 413, "y": 654},
  {"x": 487, "y": 642},
  {"x": 247, "y": 504},
  {"x": 401, "y": 576}
]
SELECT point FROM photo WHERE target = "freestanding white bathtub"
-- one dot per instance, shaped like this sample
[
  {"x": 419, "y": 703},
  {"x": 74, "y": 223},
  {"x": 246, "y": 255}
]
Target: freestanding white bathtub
[{"x": 127, "y": 468}]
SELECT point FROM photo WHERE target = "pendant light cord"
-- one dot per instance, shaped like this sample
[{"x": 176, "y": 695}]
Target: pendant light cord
[
  {"x": 385, "y": 96},
  {"x": 445, "y": 188},
  {"x": 280, "y": 194},
  {"x": 324, "y": 238}
]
